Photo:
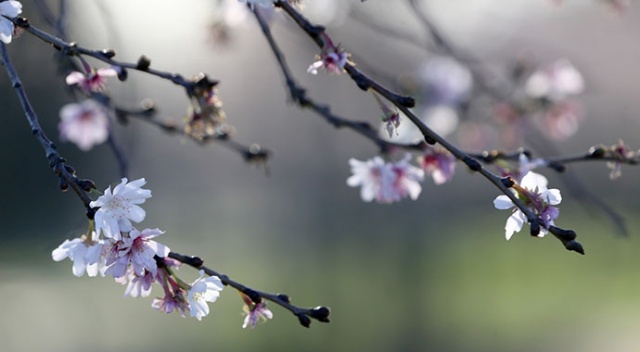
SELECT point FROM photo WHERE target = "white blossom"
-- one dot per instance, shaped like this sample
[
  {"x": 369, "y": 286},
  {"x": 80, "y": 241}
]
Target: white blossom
[
  {"x": 533, "y": 192},
  {"x": 120, "y": 207},
  {"x": 9, "y": 9},
  {"x": 203, "y": 290}
]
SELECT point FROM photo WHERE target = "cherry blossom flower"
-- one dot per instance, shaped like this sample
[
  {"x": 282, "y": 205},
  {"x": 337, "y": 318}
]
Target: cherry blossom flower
[
  {"x": 332, "y": 58},
  {"x": 533, "y": 192},
  {"x": 445, "y": 81},
  {"x": 135, "y": 249},
  {"x": 555, "y": 82},
  {"x": 85, "y": 124},
  {"x": 438, "y": 163},
  {"x": 137, "y": 286},
  {"x": 9, "y": 9},
  {"x": 386, "y": 182},
  {"x": 84, "y": 252},
  {"x": 203, "y": 290},
  {"x": 622, "y": 153},
  {"x": 120, "y": 207},
  {"x": 93, "y": 81},
  {"x": 170, "y": 302},
  {"x": 255, "y": 312}
]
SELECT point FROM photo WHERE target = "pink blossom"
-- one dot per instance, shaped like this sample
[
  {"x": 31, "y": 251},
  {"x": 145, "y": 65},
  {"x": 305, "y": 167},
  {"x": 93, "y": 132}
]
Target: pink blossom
[
  {"x": 255, "y": 313},
  {"x": 439, "y": 163},
  {"x": 332, "y": 58},
  {"x": 386, "y": 182},
  {"x": 85, "y": 124},
  {"x": 135, "y": 249},
  {"x": 555, "y": 82},
  {"x": 94, "y": 81}
]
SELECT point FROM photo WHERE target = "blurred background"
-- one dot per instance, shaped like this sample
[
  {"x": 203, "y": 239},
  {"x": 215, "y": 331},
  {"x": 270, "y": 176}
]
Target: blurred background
[{"x": 431, "y": 274}]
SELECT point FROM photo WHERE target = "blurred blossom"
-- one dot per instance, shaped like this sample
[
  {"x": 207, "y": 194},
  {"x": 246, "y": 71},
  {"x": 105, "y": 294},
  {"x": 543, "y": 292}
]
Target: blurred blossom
[
  {"x": 332, "y": 58},
  {"x": 477, "y": 136},
  {"x": 442, "y": 119},
  {"x": 555, "y": 82},
  {"x": 254, "y": 312},
  {"x": 8, "y": 9},
  {"x": 85, "y": 124},
  {"x": 562, "y": 120},
  {"x": 622, "y": 153},
  {"x": 439, "y": 163},
  {"x": 386, "y": 182},
  {"x": 93, "y": 81},
  {"x": 405, "y": 132},
  {"x": 445, "y": 81}
]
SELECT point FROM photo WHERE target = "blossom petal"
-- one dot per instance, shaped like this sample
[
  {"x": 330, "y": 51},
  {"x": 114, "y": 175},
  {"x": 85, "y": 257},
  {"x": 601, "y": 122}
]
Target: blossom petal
[
  {"x": 514, "y": 224},
  {"x": 502, "y": 202}
]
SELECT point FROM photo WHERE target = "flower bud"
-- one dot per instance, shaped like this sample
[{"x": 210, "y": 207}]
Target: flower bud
[
  {"x": 321, "y": 313},
  {"x": 284, "y": 298},
  {"x": 304, "y": 320}
]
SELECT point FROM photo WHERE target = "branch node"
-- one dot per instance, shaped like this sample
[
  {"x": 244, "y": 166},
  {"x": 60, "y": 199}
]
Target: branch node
[{"x": 472, "y": 163}]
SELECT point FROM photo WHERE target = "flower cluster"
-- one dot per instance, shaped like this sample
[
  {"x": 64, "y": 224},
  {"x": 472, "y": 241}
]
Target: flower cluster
[
  {"x": 388, "y": 182},
  {"x": 116, "y": 248},
  {"x": 533, "y": 192}
]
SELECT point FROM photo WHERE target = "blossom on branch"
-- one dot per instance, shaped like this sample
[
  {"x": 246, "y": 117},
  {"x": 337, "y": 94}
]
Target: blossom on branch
[
  {"x": 120, "y": 207},
  {"x": 9, "y": 9},
  {"x": 85, "y": 253},
  {"x": 386, "y": 182},
  {"x": 533, "y": 192},
  {"x": 438, "y": 163},
  {"x": 203, "y": 290},
  {"x": 93, "y": 81},
  {"x": 255, "y": 312},
  {"x": 85, "y": 124},
  {"x": 136, "y": 250},
  {"x": 332, "y": 58}
]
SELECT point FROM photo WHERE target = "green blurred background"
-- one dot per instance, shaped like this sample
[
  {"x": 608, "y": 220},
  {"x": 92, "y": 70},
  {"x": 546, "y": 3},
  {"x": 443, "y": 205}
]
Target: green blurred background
[{"x": 435, "y": 274}]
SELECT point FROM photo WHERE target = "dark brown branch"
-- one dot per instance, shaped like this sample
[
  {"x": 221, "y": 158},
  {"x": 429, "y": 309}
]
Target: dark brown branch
[
  {"x": 403, "y": 104},
  {"x": 304, "y": 315}
]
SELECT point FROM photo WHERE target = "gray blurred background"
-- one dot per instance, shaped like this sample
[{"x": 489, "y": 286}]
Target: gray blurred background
[{"x": 432, "y": 274}]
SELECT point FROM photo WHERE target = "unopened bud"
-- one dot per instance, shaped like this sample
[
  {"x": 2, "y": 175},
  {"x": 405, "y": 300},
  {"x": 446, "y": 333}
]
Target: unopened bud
[
  {"x": 63, "y": 184},
  {"x": 284, "y": 298},
  {"x": 535, "y": 229},
  {"x": 321, "y": 313},
  {"x": 597, "y": 151},
  {"x": 86, "y": 185},
  {"x": 143, "y": 63},
  {"x": 304, "y": 320},
  {"x": 108, "y": 53}
]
